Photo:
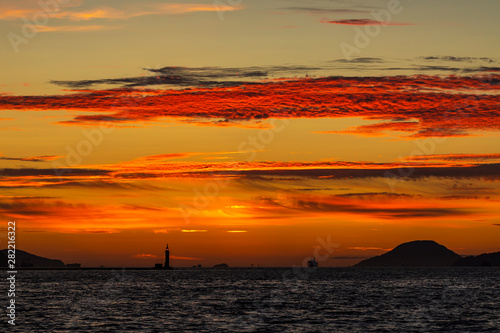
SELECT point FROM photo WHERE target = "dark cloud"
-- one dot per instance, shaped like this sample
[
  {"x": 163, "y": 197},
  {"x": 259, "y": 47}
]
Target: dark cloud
[
  {"x": 379, "y": 195},
  {"x": 195, "y": 77},
  {"x": 463, "y": 197},
  {"x": 388, "y": 213},
  {"x": 442, "y": 63},
  {"x": 488, "y": 171},
  {"x": 43, "y": 158},
  {"x": 458, "y": 59},
  {"x": 455, "y": 157},
  {"x": 36, "y": 207},
  {"x": 185, "y": 77},
  {"x": 260, "y": 175},
  {"x": 423, "y": 68},
  {"x": 336, "y": 204},
  {"x": 482, "y": 69},
  {"x": 293, "y": 171},
  {"x": 365, "y": 60},
  {"x": 364, "y": 22},
  {"x": 66, "y": 172}
]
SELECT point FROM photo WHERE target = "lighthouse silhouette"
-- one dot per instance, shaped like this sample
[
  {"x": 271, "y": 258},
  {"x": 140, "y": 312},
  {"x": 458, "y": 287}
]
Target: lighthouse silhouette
[{"x": 167, "y": 258}]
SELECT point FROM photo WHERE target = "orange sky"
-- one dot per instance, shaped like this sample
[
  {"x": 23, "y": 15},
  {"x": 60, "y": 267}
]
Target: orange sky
[{"x": 249, "y": 144}]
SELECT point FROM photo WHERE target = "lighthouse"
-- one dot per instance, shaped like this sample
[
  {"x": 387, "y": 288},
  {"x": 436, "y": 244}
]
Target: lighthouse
[{"x": 167, "y": 259}]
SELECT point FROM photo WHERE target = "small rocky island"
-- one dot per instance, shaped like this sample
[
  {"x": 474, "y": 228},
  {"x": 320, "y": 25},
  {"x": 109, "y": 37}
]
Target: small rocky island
[
  {"x": 221, "y": 266},
  {"x": 483, "y": 260}
]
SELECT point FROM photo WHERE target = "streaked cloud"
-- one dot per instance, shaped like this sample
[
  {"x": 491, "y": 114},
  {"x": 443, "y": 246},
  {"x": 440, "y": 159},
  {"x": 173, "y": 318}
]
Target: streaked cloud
[
  {"x": 456, "y": 157},
  {"x": 120, "y": 176},
  {"x": 145, "y": 256},
  {"x": 205, "y": 77},
  {"x": 364, "y": 22},
  {"x": 380, "y": 129},
  {"x": 68, "y": 216},
  {"x": 44, "y": 158},
  {"x": 427, "y": 192},
  {"x": 74, "y": 28},
  {"x": 459, "y": 59},
  {"x": 325, "y": 204},
  {"x": 19, "y": 9},
  {"x": 22, "y": 9},
  {"x": 131, "y": 11}
]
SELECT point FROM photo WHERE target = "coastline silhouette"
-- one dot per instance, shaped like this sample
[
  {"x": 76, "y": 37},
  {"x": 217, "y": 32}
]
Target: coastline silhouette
[{"x": 420, "y": 253}]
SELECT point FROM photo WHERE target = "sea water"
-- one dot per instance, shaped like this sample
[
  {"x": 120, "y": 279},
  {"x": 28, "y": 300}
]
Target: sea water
[{"x": 258, "y": 300}]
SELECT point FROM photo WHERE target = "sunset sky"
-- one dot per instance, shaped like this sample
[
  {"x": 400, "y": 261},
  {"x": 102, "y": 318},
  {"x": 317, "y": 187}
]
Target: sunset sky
[{"x": 249, "y": 131}]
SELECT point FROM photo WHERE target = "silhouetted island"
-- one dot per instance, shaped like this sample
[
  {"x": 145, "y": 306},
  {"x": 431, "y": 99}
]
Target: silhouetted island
[
  {"x": 484, "y": 260},
  {"x": 422, "y": 253},
  {"x": 25, "y": 259},
  {"x": 221, "y": 266}
]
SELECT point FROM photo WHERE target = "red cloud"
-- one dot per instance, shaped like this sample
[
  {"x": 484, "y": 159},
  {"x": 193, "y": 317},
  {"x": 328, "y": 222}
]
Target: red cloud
[
  {"x": 165, "y": 156},
  {"x": 145, "y": 256},
  {"x": 442, "y": 106}
]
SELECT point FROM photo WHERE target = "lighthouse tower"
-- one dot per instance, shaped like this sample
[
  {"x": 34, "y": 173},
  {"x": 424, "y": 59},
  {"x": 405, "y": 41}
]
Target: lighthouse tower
[{"x": 167, "y": 259}]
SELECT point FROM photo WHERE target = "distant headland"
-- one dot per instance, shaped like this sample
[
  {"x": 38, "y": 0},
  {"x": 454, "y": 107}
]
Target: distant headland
[
  {"x": 420, "y": 253},
  {"x": 28, "y": 260}
]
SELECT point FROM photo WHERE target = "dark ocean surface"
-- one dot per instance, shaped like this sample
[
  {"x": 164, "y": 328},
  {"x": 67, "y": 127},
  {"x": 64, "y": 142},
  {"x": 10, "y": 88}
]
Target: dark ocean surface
[{"x": 258, "y": 300}]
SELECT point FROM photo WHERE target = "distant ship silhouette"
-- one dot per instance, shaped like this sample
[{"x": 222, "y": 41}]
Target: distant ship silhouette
[{"x": 312, "y": 263}]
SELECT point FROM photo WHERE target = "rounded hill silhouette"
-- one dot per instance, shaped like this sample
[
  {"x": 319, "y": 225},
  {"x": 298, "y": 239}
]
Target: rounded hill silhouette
[{"x": 421, "y": 253}]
